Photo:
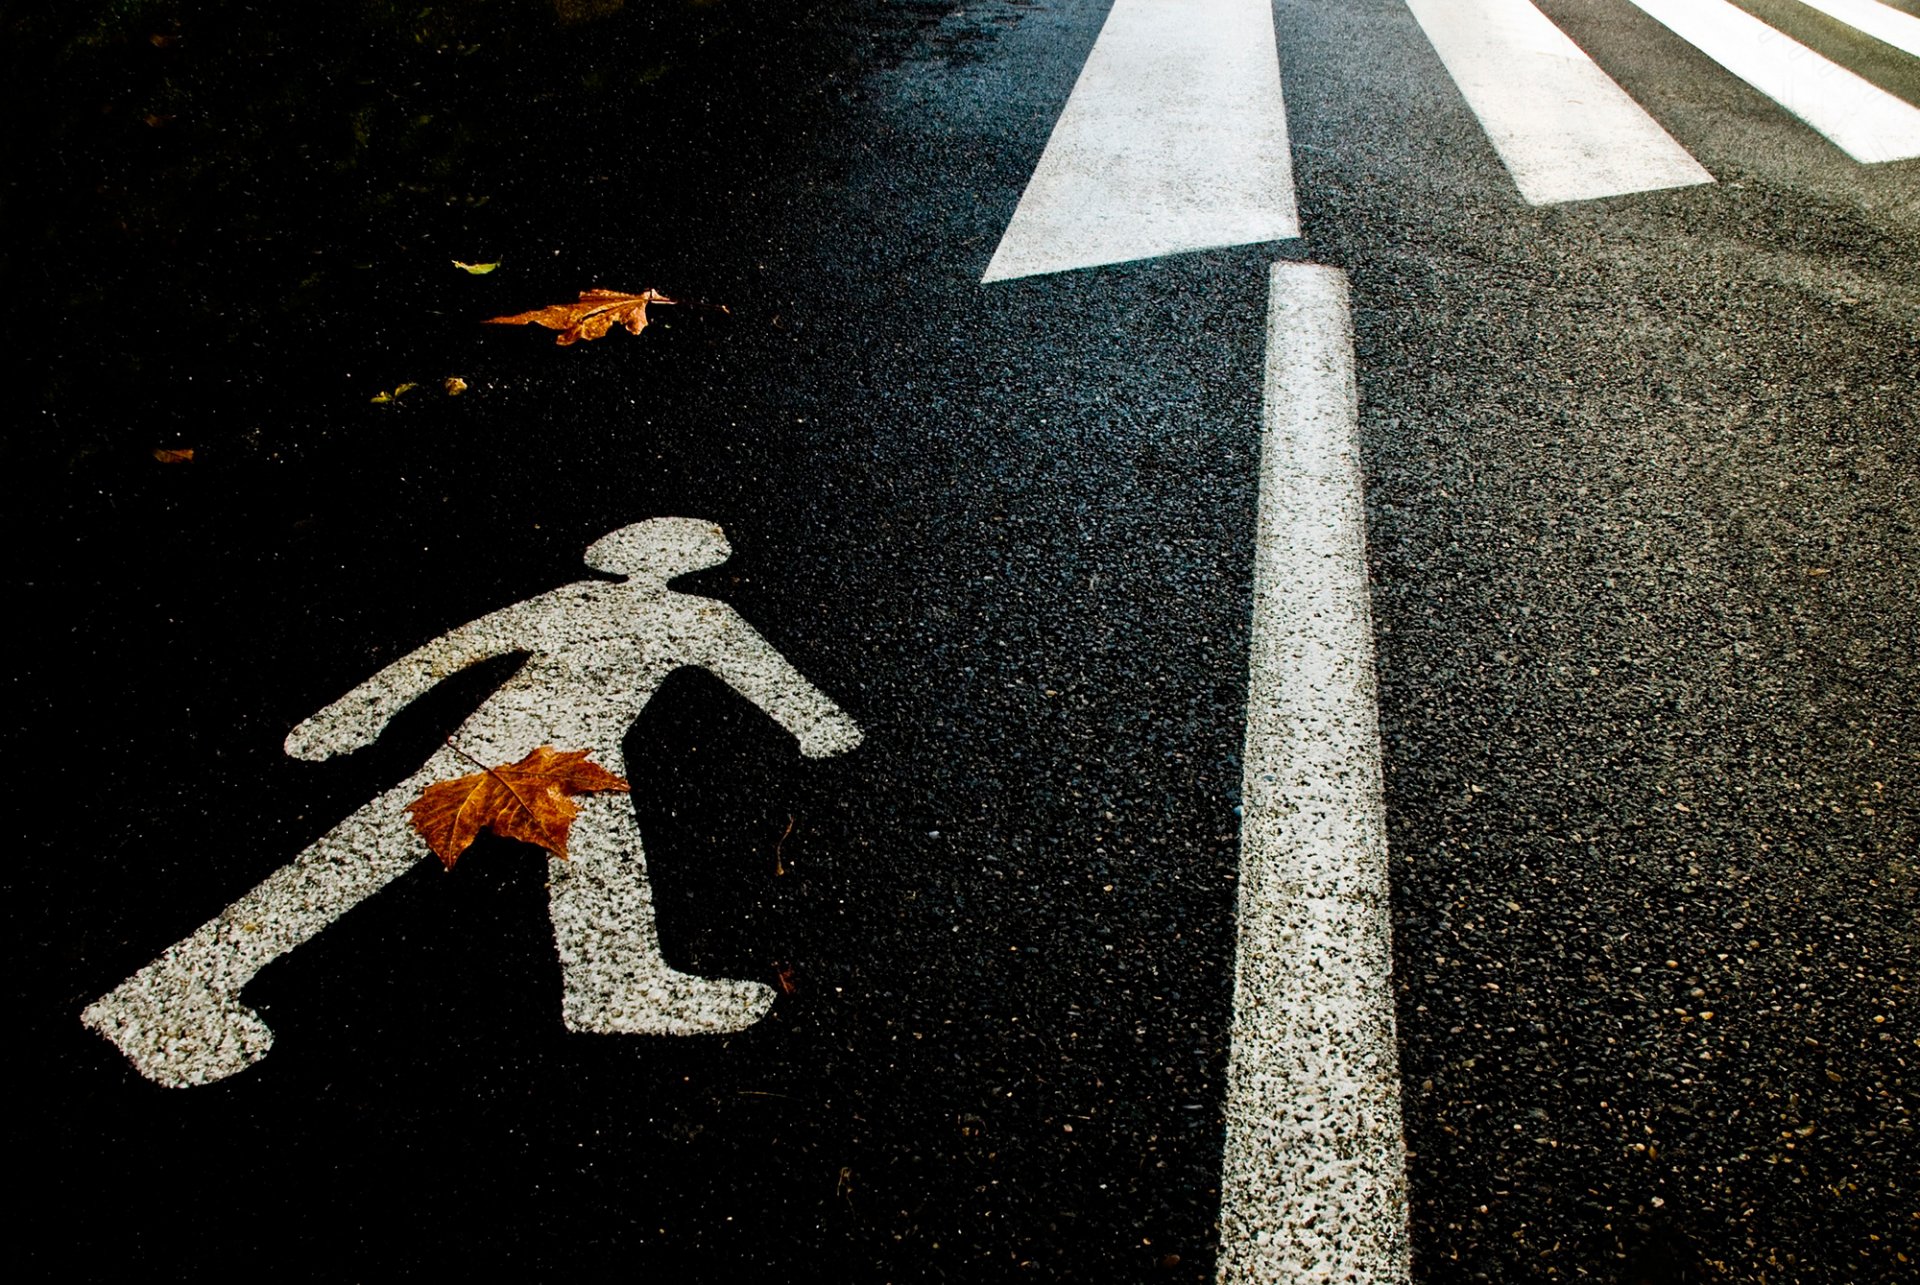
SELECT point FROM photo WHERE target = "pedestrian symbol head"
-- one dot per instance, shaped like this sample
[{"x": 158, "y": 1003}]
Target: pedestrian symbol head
[{"x": 660, "y": 549}]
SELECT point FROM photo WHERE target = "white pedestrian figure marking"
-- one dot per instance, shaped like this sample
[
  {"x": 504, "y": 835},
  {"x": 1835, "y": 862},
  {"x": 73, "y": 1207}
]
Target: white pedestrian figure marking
[{"x": 597, "y": 652}]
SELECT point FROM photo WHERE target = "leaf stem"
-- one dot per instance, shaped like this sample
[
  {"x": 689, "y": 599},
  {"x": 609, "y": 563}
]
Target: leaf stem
[{"x": 778, "y": 868}]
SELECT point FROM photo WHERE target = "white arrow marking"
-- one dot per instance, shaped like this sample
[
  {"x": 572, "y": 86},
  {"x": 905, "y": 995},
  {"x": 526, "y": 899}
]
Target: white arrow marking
[
  {"x": 596, "y": 653},
  {"x": 1174, "y": 139},
  {"x": 1564, "y": 129},
  {"x": 1857, "y": 116},
  {"x": 1313, "y": 1182}
]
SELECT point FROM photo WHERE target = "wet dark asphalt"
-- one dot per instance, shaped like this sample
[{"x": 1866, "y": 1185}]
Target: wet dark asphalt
[{"x": 1644, "y": 547}]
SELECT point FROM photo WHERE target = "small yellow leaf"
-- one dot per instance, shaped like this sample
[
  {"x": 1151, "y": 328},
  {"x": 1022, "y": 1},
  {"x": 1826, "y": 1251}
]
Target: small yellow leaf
[
  {"x": 477, "y": 269},
  {"x": 382, "y": 399},
  {"x": 454, "y": 385},
  {"x": 168, "y": 455}
]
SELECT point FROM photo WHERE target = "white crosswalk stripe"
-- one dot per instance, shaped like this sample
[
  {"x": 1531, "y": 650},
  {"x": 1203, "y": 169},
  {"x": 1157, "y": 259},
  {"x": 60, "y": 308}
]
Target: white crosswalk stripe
[
  {"x": 1565, "y": 131},
  {"x": 1861, "y": 119},
  {"x": 1175, "y": 135},
  {"x": 1883, "y": 22},
  {"x": 1174, "y": 139}
]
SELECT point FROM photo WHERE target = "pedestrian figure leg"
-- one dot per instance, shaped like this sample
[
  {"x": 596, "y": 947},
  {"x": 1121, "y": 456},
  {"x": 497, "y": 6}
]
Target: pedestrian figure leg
[
  {"x": 180, "y": 1021},
  {"x": 613, "y": 977}
]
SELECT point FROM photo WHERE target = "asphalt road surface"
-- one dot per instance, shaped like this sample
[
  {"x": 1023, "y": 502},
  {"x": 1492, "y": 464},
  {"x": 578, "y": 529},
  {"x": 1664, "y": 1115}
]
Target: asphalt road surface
[{"x": 1567, "y": 541}]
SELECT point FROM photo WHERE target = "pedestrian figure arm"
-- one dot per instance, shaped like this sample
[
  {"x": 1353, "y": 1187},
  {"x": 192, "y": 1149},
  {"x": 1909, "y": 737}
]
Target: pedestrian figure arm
[
  {"x": 357, "y": 719},
  {"x": 748, "y": 663}
]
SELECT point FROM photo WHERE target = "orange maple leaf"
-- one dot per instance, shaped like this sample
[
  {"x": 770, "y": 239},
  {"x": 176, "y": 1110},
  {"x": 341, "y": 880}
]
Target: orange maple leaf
[
  {"x": 527, "y": 801},
  {"x": 592, "y": 317}
]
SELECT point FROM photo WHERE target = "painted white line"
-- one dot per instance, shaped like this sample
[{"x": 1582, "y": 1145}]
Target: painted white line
[
  {"x": 1857, "y": 116},
  {"x": 1174, "y": 139},
  {"x": 597, "y": 652},
  {"x": 1883, "y": 22},
  {"x": 1564, "y": 129},
  {"x": 1313, "y": 1182}
]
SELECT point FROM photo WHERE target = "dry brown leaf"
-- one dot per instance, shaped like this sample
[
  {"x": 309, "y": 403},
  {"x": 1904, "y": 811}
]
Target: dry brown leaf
[
  {"x": 595, "y": 314},
  {"x": 172, "y": 455},
  {"x": 527, "y": 801}
]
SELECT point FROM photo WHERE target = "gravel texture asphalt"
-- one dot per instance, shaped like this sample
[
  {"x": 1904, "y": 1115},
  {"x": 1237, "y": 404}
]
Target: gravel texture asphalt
[{"x": 1644, "y": 554}]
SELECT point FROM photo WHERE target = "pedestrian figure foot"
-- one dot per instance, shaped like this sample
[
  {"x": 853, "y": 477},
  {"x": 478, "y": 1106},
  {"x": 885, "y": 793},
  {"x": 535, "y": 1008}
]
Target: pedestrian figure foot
[
  {"x": 177, "y": 1030},
  {"x": 665, "y": 1002}
]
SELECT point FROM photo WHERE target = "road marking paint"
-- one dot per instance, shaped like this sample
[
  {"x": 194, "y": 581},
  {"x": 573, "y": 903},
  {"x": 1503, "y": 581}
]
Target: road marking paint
[
  {"x": 1883, "y": 22},
  {"x": 1857, "y": 116},
  {"x": 1173, "y": 139},
  {"x": 1313, "y": 1182},
  {"x": 597, "y": 652},
  {"x": 1564, "y": 129}
]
